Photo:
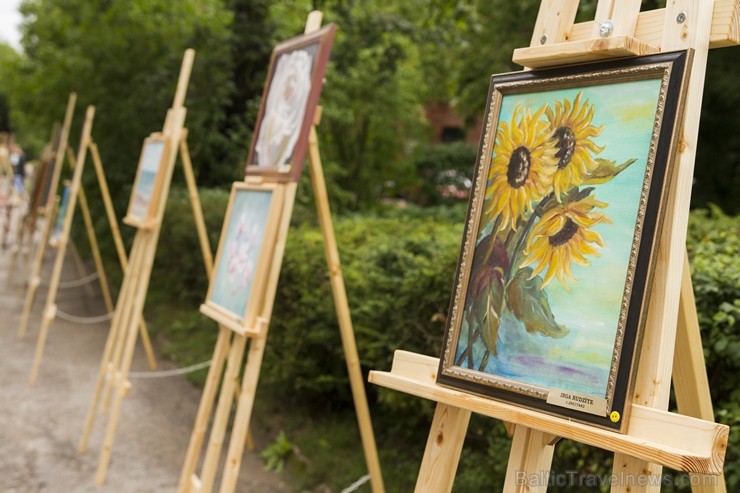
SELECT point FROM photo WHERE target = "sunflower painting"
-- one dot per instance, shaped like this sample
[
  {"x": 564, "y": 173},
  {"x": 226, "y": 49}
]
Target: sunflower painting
[{"x": 553, "y": 271}]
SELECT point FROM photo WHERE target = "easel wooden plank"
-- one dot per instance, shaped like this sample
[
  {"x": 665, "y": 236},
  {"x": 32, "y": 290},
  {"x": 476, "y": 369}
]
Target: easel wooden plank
[
  {"x": 654, "y": 436},
  {"x": 34, "y": 279},
  {"x": 190, "y": 482}
]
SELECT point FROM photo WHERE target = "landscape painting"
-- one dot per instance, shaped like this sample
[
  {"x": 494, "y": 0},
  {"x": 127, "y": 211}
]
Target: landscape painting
[
  {"x": 142, "y": 202},
  {"x": 244, "y": 253},
  {"x": 560, "y": 235}
]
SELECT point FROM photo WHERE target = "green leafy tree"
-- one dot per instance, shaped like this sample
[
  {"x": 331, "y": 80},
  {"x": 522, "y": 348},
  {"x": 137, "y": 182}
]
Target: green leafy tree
[
  {"x": 123, "y": 56},
  {"x": 9, "y": 59}
]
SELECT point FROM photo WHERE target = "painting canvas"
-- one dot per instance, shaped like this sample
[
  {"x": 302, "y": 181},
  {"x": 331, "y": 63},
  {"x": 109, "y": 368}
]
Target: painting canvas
[
  {"x": 291, "y": 94},
  {"x": 243, "y": 257},
  {"x": 54, "y": 239},
  {"x": 551, "y": 286},
  {"x": 142, "y": 204}
]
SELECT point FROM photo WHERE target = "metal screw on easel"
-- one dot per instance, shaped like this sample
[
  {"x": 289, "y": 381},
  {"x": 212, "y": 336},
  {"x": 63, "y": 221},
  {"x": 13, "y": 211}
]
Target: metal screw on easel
[
  {"x": 606, "y": 28},
  {"x": 681, "y": 18},
  {"x": 543, "y": 39}
]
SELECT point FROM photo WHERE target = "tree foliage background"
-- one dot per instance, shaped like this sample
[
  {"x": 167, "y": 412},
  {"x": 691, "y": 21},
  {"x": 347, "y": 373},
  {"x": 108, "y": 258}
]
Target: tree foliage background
[{"x": 391, "y": 58}]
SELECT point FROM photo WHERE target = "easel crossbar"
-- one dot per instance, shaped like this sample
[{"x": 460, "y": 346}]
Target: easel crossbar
[{"x": 672, "y": 440}]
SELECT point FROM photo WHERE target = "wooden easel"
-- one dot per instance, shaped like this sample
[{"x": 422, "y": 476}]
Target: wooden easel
[
  {"x": 35, "y": 208},
  {"x": 118, "y": 352},
  {"x": 230, "y": 347},
  {"x": 34, "y": 279},
  {"x": 77, "y": 191},
  {"x": 691, "y": 442}
]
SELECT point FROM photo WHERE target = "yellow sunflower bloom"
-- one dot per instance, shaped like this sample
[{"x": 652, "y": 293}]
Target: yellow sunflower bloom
[
  {"x": 563, "y": 235},
  {"x": 522, "y": 166},
  {"x": 572, "y": 131}
]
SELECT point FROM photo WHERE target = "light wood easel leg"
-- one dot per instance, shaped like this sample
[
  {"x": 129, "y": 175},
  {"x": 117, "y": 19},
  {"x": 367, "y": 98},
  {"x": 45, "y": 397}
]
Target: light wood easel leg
[
  {"x": 442, "y": 453},
  {"x": 75, "y": 187},
  {"x": 205, "y": 407},
  {"x": 33, "y": 285},
  {"x": 118, "y": 241},
  {"x": 95, "y": 249},
  {"x": 341, "y": 306},
  {"x": 652, "y": 385},
  {"x": 529, "y": 461},
  {"x": 121, "y": 376},
  {"x": 690, "y": 381},
  {"x": 106, "y": 369},
  {"x": 200, "y": 223},
  {"x": 34, "y": 279},
  {"x": 223, "y": 411},
  {"x": 243, "y": 416}
]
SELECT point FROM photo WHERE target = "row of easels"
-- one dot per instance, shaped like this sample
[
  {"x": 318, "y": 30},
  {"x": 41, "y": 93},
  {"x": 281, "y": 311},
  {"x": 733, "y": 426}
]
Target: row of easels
[
  {"x": 691, "y": 442},
  {"x": 62, "y": 229},
  {"x": 232, "y": 344}
]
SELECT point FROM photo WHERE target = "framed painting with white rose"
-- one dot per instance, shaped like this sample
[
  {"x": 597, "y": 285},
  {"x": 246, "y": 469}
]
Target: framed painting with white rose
[
  {"x": 549, "y": 299},
  {"x": 294, "y": 81},
  {"x": 244, "y": 257}
]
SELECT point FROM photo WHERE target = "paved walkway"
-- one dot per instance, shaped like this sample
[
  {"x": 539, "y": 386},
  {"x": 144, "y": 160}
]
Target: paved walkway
[{"x": 41, "y": 426}]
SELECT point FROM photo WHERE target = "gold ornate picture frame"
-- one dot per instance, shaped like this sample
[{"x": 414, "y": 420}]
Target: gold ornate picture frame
[{"x": 550, "y": 293}]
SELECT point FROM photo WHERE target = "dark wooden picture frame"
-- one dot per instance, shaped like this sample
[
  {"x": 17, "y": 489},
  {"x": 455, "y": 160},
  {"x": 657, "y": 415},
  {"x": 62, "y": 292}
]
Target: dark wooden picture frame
[
  {"x": 294, "y": 81},
  {"x": 549, "y": 300}
]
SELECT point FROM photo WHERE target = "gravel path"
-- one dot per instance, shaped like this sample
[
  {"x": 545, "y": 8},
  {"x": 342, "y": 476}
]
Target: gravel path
[{"x": 40, "y": 426}]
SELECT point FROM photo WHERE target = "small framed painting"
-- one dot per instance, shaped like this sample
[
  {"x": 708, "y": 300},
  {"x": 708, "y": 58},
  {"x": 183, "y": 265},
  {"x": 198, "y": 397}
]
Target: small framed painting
[
  {"x": 143, "y": 204},
  {"x": 244, "y": 256},
  {"x": 61, "y": 213},
  {"x": 555, "y": 268},
  {"x": 294, "y": 81}
]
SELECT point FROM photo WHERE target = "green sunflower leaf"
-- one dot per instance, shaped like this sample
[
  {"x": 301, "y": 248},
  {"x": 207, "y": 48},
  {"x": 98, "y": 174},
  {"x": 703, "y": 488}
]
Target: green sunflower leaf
[
  {"x": 528, "y": 302},
  {"x": 606, "y": 170}
]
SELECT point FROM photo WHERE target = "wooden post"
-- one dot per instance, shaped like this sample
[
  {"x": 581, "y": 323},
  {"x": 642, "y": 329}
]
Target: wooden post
[
  {"x": 34, "y": 279},
  {"x": 690, "y": 381},
  {"x": 341, "y": 306},
  {"x": 652, "y": 385},
  {"x": 443, "y": 449},
  {"x": 50, "y": 308}
]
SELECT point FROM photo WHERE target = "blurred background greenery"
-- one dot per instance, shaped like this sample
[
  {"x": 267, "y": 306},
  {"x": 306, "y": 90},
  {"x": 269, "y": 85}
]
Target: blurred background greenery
[{"x": 403, "y": 101}]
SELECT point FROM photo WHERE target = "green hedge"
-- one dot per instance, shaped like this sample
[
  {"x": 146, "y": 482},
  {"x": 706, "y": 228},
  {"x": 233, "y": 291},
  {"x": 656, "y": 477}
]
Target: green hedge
[{"x": 398, "y": 269}]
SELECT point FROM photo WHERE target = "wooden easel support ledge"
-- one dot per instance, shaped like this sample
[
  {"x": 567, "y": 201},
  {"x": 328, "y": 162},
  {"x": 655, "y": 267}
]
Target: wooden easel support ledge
[
  {"x": 672, "y": 440},
  {"x": 585, "y": 42}
]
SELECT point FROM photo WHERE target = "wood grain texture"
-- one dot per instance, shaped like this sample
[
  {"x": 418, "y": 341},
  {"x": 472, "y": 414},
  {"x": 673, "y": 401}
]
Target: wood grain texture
[
  {"x": 443, "y": 448},
  {"x": 680, "y": 442},
  {"x": 648, "y": 38}
]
